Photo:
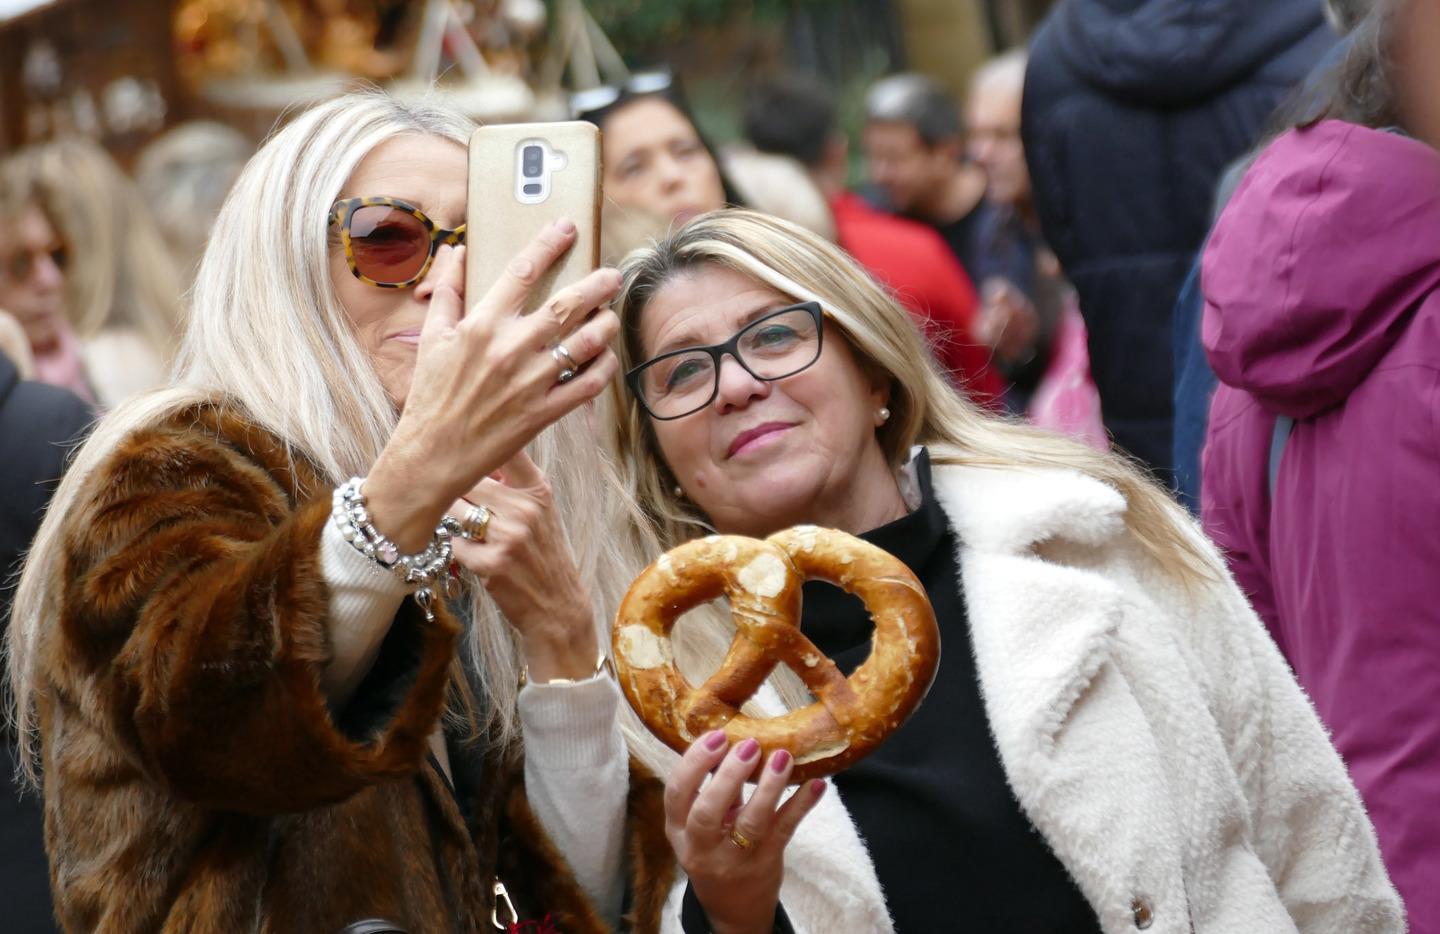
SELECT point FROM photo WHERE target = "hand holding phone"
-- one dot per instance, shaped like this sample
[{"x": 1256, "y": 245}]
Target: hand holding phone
[{"x": 524, "y": 177}]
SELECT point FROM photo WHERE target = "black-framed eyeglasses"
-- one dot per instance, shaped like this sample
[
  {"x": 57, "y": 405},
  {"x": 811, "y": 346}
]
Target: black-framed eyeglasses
[{"x": 776, "y": 345}]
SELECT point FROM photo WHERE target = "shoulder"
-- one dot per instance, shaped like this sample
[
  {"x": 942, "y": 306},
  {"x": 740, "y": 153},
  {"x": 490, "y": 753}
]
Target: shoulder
[
  {"x": 44, "y": 413},
  {"x": 200, "y": 458},
  {"x": 1012, "y": 508}
]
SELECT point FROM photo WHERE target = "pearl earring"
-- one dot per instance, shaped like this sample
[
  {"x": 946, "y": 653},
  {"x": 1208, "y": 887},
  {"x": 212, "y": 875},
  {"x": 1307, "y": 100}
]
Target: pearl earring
[
  {"x": 678, "y": 492},
  {"x": 884, "y": 414}
]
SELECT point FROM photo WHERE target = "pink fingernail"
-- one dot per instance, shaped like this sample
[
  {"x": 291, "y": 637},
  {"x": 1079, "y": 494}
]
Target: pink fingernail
[
  {"x": 817, "y": 786},
  {"x": 715, "y": 740},
  {"x": 779, "y": 761},
  {"x": 565, "y": 225},
  {"x": 747, "y": 750}
]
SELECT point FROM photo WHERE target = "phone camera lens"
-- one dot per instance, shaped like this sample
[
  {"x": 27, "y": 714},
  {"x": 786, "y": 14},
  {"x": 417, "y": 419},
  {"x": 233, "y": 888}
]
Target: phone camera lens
[{"x": 532, "y": 161}]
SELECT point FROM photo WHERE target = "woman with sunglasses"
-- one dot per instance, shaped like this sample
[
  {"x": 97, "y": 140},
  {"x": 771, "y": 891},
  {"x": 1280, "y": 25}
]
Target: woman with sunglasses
[
  {"x": 1111, "y": 743},
  {"x": 259, "y": 696}
]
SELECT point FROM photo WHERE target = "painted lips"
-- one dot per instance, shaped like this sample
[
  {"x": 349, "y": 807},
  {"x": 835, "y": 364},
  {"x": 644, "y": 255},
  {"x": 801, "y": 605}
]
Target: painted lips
[{"x": 749, "y": 437}]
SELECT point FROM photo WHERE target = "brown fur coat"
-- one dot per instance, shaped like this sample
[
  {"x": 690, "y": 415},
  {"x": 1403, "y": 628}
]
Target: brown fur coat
[{"x": 195, "y": 779}]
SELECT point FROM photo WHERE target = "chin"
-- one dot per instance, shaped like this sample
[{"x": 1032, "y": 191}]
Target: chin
[{"x": 781, "y": 498}]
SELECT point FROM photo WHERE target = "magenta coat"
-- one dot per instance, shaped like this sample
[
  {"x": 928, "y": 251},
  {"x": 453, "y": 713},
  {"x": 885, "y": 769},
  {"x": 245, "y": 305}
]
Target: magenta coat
[{"x": 1322, "y": 303}]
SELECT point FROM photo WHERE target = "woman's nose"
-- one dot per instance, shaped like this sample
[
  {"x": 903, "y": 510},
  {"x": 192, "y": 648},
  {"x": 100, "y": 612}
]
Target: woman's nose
[
  {"x": 672, "y": 174},
  {"x": 737, "y": 388}
]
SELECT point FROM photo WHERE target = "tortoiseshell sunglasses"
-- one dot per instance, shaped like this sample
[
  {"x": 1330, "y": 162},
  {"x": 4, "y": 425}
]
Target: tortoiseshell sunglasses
[{"x": 389, "y": 243}]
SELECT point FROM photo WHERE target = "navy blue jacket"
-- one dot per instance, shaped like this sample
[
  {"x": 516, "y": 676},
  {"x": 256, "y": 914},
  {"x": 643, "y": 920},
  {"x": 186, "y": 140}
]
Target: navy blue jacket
[
  {"x": 39, "y": 425},
  {"x": 1132, "y": 110}
]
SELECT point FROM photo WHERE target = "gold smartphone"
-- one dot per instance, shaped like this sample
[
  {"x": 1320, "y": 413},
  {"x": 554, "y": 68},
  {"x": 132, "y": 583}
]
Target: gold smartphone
[{"x": 524, "y": 176}]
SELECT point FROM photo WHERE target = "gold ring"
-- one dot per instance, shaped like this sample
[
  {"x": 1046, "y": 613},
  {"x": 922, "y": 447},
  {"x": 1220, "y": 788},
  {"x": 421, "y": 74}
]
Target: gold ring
[
  {"x": 739, "y": 839},
  {"x": 477, "y": 520}
]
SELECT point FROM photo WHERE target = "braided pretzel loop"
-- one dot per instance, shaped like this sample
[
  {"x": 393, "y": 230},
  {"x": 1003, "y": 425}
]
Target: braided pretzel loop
[{"x": 762, "y": 581}]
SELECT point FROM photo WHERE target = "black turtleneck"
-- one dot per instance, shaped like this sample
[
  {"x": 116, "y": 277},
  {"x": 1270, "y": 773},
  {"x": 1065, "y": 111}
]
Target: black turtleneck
[{"x": 947, "y": 837}]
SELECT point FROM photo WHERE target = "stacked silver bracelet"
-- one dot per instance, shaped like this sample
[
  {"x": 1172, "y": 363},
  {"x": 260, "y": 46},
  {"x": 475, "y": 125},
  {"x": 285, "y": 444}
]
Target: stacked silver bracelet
[{"x": 424, "y": 568}]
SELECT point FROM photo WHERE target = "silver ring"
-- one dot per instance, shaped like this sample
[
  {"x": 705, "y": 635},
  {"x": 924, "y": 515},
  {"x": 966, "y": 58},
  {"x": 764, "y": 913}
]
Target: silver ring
[
  {"x": 568, "y": 367},
  {"x": 559, "y": 351},
  {"x": 477, "y": 520}
]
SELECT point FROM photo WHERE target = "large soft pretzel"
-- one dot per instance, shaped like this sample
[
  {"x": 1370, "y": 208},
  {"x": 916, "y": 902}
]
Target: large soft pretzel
[{"x": 762, "y": 581}]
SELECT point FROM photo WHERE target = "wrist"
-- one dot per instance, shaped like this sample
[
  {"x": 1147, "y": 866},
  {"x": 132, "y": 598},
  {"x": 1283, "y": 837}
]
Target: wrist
[
  {"x": 404, "y": 505},
  {"x": 560, "y": 652}
]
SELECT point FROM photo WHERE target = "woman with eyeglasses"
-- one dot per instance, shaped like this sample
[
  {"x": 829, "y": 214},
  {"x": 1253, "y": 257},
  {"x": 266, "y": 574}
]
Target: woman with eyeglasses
[
  {"x": 254, "y": 691},
  {"x": 1112, "y": 743}
]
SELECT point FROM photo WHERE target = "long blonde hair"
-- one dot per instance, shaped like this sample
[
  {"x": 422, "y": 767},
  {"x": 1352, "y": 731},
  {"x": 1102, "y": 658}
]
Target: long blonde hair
[
  {"x": 267, "y": 335},
  {"x": 925, "y": 409},
  {"x": 121, "y": 273}
]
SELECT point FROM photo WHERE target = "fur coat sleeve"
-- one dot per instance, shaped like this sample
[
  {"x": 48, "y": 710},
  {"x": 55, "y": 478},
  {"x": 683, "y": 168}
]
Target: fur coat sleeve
[{"x": 194, "y": 622}]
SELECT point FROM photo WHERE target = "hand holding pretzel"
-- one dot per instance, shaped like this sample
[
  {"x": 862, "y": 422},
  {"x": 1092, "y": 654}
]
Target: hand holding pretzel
[{"x": 762, "y": 580}]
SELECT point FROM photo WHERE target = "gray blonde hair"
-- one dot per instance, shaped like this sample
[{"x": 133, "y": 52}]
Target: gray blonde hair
[
  {"x": 267, "y": 335},
  {"x": 925, "y": 409},
  {"x": 121, "y": 272}
]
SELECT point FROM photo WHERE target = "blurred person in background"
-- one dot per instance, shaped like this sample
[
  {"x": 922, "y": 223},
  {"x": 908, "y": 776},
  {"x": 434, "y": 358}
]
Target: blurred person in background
[
  {"x": 1023, "y": 291},
  {"x": 33, "y": 264},
  {"x": 779, "y": 185},
  {"x": 915, "y": 155},
  {"x": 184, "y": 175},
  {"x": 659, "y": 170},
  {"x": 1322, "y": 320},
  {"x": 122, "y": 288},
  {"x": 1194, "y": 379},
  {"x": 39, "y": 425},
  {"x": 795, "y": 116},
  {"x": 1132, "y": 110}
]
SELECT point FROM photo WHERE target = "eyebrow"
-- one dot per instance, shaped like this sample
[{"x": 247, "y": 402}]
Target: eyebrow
[{"x": 689, "y": 339}]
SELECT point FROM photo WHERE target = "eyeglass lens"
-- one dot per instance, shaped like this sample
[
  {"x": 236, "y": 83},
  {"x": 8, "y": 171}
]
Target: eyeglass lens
[
  {"x": 389, "y": 244},
  {"x": 771, "y": 348}
]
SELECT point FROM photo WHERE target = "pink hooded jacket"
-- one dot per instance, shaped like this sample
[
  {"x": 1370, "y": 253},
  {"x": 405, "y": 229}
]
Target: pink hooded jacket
[{"x": 1322, "y": 303}]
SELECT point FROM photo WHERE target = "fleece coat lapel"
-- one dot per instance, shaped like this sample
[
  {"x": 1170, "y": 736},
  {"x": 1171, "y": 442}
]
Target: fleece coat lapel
[{"x": 1079, "y": 753}]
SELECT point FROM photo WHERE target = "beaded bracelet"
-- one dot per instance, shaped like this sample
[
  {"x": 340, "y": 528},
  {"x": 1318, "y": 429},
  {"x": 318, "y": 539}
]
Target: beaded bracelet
[{"x": 424, "y": 568}]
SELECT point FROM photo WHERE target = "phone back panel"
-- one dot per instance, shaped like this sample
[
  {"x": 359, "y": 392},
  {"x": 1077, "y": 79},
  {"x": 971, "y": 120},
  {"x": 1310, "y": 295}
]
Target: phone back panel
[{"x": 499, "y": 223}]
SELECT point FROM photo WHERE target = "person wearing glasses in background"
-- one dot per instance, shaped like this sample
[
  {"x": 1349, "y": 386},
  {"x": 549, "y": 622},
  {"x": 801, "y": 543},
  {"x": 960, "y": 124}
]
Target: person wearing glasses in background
[
  {"x": 1111, "y": 743},
  {"x": 258, "y": 694},
  {"x": 33, "y": 258},
  {"x": 122, "y": 288}
]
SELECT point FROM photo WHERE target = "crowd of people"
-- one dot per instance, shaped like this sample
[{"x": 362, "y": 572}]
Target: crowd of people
[{"x": 1129, "y": 354}]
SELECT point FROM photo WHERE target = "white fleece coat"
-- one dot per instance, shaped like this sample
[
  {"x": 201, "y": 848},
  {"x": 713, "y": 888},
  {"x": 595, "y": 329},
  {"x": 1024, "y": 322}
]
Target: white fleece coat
[{"x": 1153, "y": 735}]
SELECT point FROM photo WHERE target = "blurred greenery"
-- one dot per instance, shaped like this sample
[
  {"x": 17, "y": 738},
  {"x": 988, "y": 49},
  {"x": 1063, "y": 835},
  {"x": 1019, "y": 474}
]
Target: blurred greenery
[{"x": 638, "y": 27}]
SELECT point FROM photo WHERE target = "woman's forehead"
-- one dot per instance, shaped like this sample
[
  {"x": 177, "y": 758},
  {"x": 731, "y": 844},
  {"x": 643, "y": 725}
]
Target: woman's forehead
[
  {"x": 428, "y": 171},
  {"x": 695, "y": 305},
  {"x": 644, "y": 121}
]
